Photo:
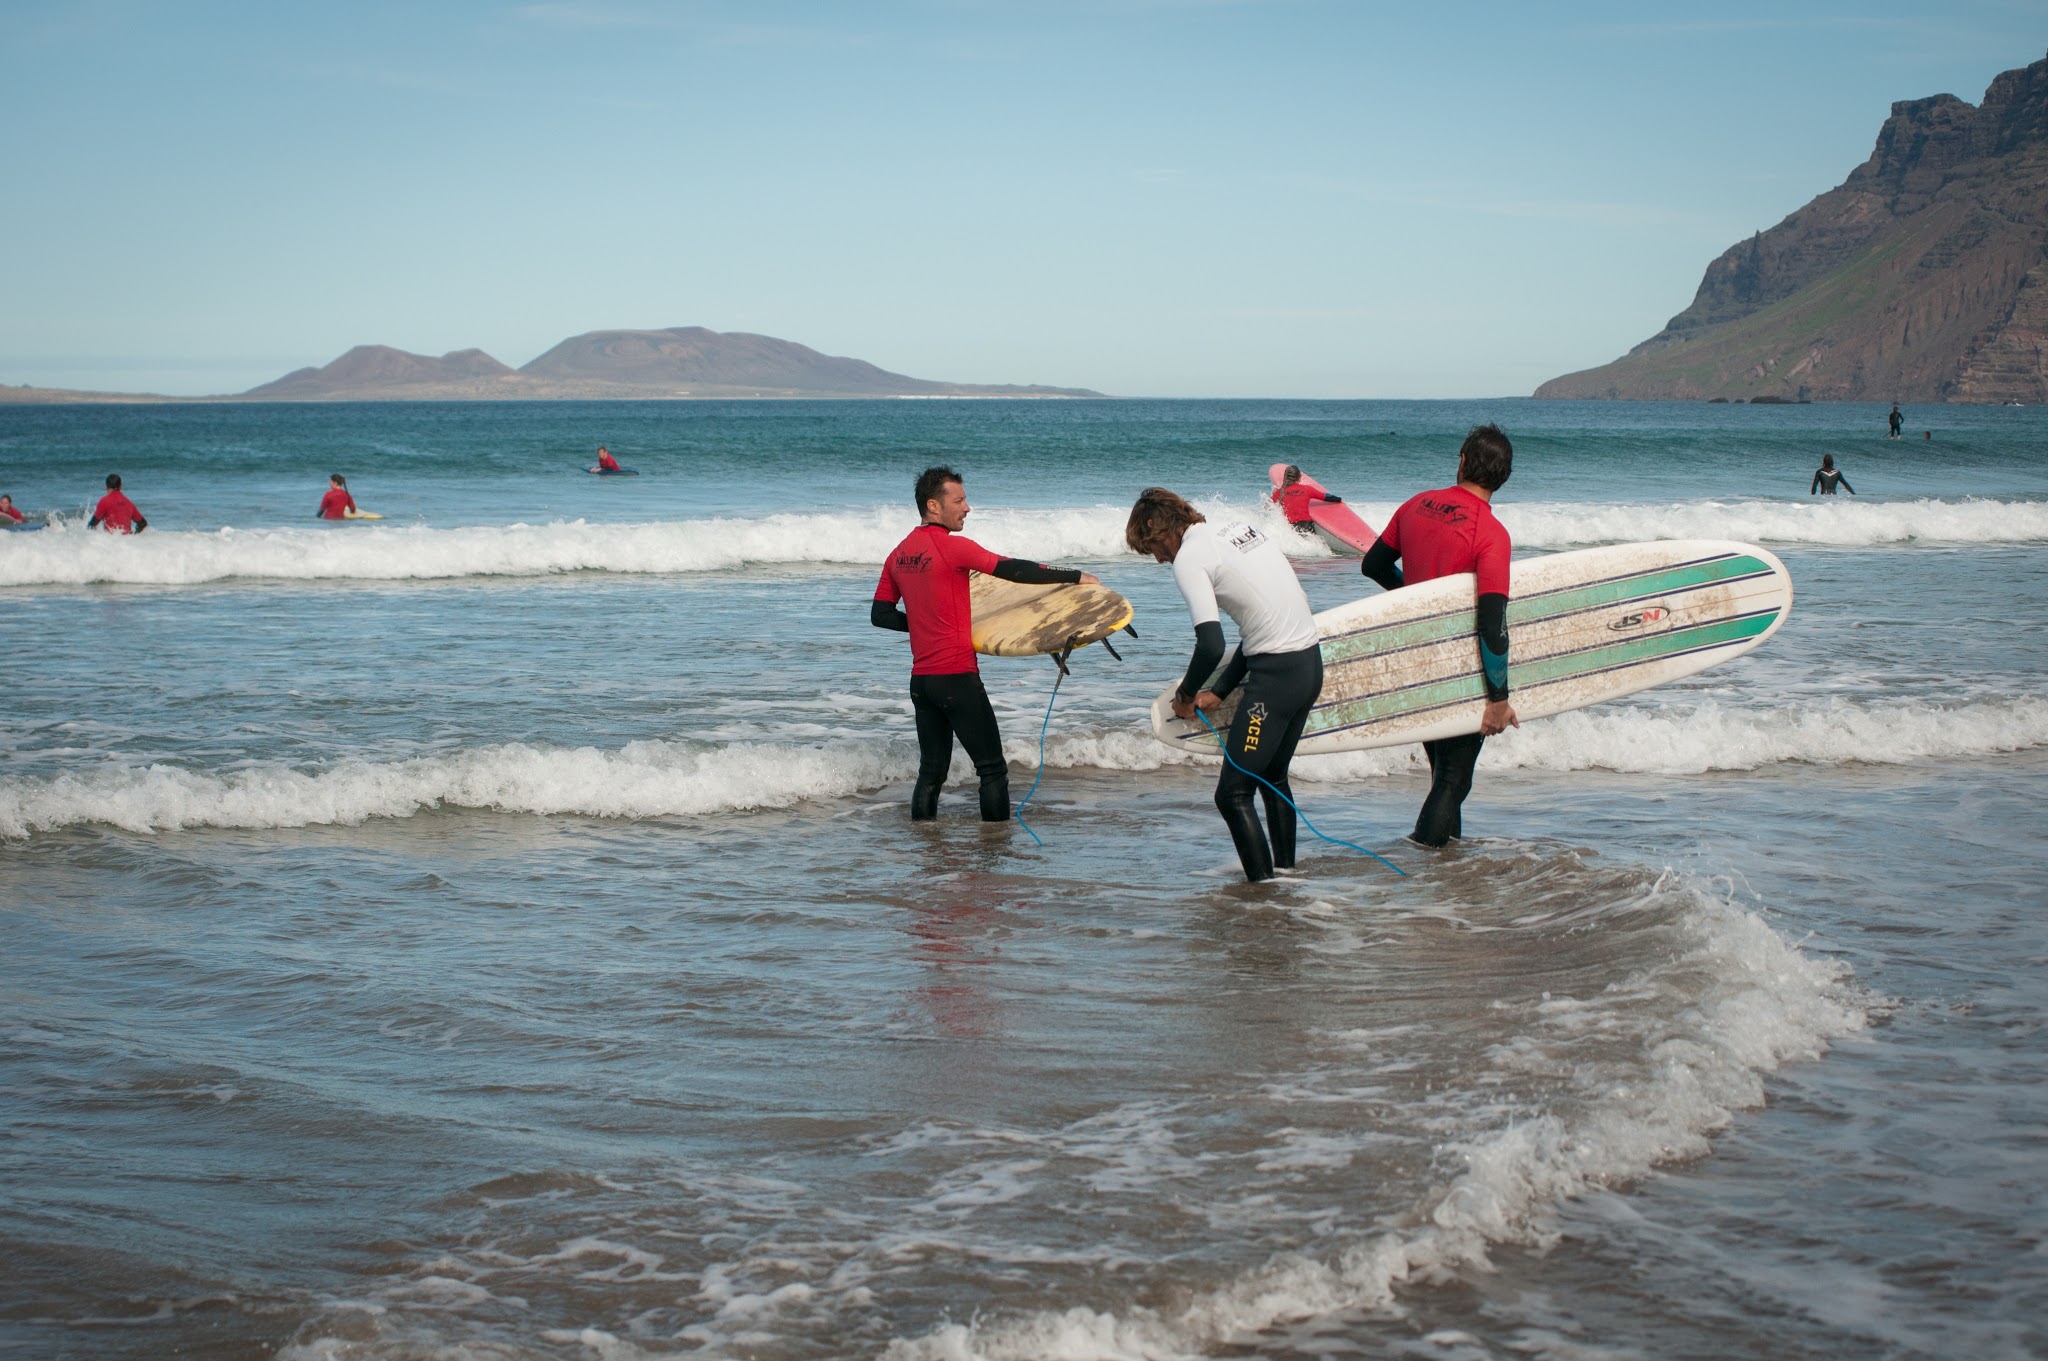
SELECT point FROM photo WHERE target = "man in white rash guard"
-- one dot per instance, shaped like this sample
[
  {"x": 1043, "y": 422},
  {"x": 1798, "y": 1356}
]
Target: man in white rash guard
[{"x": 1235, "y": 569}]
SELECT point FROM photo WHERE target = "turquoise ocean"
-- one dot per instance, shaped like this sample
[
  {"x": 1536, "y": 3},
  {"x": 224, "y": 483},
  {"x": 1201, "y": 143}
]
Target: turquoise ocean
[{"x": 496, "y": 931}]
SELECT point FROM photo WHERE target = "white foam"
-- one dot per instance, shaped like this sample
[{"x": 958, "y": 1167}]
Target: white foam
[
  {"x": 420, "y": 552},
  {"x": 668, "y": 779},
  {"x": 1670, "y": 739},
  {"x": 1765, "y": 1005},
  {"x": 70, "y": 555},
  {"x": 1708, "y": 736},
  {"x": 1836, "y": 522},
  {"x": 642, "y": 779}
]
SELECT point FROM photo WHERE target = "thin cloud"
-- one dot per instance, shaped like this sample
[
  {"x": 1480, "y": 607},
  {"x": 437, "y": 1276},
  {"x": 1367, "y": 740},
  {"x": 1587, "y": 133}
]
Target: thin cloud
[
  {"x": 597, "y": 16},
  {"x": 1592, "y": 211}
]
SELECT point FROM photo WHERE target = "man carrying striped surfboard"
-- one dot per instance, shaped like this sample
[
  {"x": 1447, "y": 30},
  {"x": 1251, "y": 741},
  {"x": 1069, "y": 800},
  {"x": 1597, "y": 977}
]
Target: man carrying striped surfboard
[{"x": 1438, "y": 534}]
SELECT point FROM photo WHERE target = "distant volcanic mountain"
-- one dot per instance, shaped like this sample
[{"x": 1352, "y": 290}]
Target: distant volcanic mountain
[
  {"x": 383, "y": 371},
  {"x": 1922, "y": 277},
  {"x": 683, "y": 361}
]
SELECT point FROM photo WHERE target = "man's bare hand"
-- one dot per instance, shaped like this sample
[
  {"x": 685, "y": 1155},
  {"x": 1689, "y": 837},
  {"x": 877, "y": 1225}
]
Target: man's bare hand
[{"x": 1498, "y": 718}]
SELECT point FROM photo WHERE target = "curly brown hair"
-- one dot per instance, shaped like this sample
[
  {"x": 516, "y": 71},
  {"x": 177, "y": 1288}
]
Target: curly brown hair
[{"x": 1158, "y": 518}]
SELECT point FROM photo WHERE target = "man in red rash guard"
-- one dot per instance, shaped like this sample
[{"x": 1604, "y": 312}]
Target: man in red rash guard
[
  {"x": 928, "y": 573},
  {"x": 337, "y": 504},
  {"x": 116, "y": 513},
  {"x": 7, "y": 509},
  {"x": 1438, "y": 534},
  {"x": 605, "y": 462}
]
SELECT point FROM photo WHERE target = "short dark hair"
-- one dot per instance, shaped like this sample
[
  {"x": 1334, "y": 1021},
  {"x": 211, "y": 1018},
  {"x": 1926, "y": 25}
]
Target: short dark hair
[
  {"x": 113, "y": 481},
  {"x": 1157, "y": 517},
  {"x": 1486, "y": 458},
  {"x": 1827, "y": 460},
  {"x": 931, "y": 483}
]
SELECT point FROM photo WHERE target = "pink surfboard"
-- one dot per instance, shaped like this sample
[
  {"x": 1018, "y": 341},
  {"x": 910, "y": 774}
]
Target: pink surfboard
[{"x": 1337, "y": 525}]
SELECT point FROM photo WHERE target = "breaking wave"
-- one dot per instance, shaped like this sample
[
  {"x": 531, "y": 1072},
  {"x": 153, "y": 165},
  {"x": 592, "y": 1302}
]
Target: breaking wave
[
  {"x": 69, "y": 555},
  {"x": 1763, "y": 1005},
  {"x": 676, "y": 779}
]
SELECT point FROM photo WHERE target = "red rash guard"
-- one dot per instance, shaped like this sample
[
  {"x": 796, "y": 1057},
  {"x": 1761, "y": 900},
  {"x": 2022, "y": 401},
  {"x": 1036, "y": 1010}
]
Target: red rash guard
[
  {"x": 607, "y": 462},
  {"x": 336, "y": 504},
  {"x": 1294, "y": 502},
  {"x": 928, "y": 573},
  {"x": 13, "y": 513},
  {"x": 1442, "y": 533},
  {"x": 116, "y": 513}
]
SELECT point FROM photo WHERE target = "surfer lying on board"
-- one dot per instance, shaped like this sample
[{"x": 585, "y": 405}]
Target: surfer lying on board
[
  {"x": 7, "y": 510},
  {"x": 116, "y": 513},
  {"x": 1235, "y": 569},
  {"x": 605, "y": 462},
  {"x": 1294, "y": 499},
  {"x": 337, "y": 504},
  {"x": 1827, "y": 477},
  {"x": 1439, "y": 534},
  {"x": 928, "y": 573}
]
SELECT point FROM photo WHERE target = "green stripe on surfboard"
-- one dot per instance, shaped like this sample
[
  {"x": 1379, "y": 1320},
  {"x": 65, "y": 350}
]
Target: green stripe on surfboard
[
  {"x": 1543, "y": 605},
  {"x": 1536, "y": 671}
]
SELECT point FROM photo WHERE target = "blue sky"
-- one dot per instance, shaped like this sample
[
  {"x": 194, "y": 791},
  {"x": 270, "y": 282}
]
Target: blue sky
[{"x": 1312, "y": 198}]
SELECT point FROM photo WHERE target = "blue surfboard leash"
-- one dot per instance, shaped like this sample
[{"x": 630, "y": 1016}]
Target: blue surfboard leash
[
  {"x": 1223, "y": 745},
  {"x": 1041, "y": 756}
]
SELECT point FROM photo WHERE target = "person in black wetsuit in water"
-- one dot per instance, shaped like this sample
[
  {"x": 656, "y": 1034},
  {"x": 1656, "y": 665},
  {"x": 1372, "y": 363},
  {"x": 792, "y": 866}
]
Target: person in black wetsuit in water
[
  {"x": 928, "y": 573},
  {"x": 1826, "y": 478},
  {"x": 1234, "y": 569}
]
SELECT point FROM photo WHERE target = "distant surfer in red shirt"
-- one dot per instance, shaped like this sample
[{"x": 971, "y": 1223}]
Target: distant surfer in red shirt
[
  {"x": 7, "y": 509},
  {"x": 116, "y": 513},
  {"x": 1294, "y": 497},
  {"x": 605, "y": 462},
  {"x": 1442, "y": 533},
  {"x": 927, "y": 572},
  {"x": 337, "y": 504}
]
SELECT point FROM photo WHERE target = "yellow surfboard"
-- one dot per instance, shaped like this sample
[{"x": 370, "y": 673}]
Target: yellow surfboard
[
  {"x": 1012, "y": 619},
  {"x": 360, "y": 515}
]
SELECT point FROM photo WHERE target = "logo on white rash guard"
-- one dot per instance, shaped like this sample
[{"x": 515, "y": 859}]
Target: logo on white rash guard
[{"x": 1244, "y": 538}]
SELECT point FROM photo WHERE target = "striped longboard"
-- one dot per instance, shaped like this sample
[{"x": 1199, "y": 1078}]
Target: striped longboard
[{"x": 1585, "y": 626}]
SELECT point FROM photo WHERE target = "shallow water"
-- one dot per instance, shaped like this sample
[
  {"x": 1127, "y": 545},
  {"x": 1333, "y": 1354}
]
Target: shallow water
[{"x": 432, "y": 939}]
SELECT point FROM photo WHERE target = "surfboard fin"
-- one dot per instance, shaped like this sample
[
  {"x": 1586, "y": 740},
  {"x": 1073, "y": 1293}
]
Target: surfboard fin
[
  {"x": 1111, "y": 651},
  {"x": 1059, "y": 658},
  {"x": 1131, "y": 629}
]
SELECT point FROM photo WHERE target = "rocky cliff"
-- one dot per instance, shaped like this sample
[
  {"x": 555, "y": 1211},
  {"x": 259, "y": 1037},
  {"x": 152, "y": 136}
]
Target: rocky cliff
[{"x": 1921, "y": 277}]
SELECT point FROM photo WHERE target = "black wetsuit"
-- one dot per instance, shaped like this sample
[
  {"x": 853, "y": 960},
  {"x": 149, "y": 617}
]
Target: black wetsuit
[
  {"x": 1824, "y": 481},
  {"x": 957, "y": 706},
  {"x": 1280, "y": 688},
  {"x": 1897, "y": 421}
]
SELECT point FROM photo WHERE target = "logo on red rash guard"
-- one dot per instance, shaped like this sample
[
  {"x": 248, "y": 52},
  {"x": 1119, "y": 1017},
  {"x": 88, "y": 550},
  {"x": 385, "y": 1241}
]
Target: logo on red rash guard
[{"x": 1640, "y": 618}]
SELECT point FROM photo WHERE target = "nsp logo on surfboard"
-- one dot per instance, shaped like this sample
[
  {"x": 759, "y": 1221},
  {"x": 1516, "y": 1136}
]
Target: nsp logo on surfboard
[{"x": 1636, "y": 621}]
